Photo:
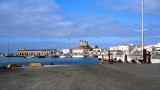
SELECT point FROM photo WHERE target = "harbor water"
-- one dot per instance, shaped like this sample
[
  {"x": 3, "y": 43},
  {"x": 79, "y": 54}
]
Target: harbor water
[{"x": 4, "y": 61}]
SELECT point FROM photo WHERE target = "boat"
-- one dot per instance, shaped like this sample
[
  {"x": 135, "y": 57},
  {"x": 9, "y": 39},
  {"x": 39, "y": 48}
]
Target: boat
[
  {"x": 55, "y": 56},
  {"x": 29, "y": 56},
  {"x": 77, "y": 56},
  {"x": 64, "y": 56},
  {"x": 91, "y": 56},
  {"x": 41, "y": 56},
  {"x": 1, "y": 55}
]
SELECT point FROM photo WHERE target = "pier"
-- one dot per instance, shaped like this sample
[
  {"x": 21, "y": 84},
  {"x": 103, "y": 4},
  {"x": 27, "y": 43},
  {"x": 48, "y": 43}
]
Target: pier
[{"x": 117, "y": 76}]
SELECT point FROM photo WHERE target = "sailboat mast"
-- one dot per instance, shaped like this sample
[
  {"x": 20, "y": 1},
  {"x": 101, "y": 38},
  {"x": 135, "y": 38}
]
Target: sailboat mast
[
  {"x": 69, "y": 43},
  {"x": 65, "y": 47},
  {"x": 8, "y": 46}
]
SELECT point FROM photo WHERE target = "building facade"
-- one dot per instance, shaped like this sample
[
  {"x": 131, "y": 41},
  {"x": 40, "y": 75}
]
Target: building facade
[
  {"x": 137, "y": 49},
  {"x": 66, "y": 51},
  {"x": 126, "y": 48},
  {"x": 35, "y": 52},
  {"x": 79, "y": 51}
]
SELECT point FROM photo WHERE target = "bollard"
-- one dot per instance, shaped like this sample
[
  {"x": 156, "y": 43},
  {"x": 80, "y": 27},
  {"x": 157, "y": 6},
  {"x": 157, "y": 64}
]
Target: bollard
[
  {"x": 144, "y": 56},
  {"x": 108, "y": 55}
]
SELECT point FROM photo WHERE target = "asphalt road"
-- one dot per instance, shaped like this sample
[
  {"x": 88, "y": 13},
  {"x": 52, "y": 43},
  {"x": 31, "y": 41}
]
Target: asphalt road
[{"x": 118, "y": 76}]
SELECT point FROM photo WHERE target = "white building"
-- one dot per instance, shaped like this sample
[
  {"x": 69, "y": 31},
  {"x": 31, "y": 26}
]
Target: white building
[
  {"x": 149, "y": 47},
  {"x": 156, "y": 46},
  {"x": 79, "y": 51},
  {"x": 99, "y": 51},
  {"x": 36, "y": 52},
  {"x": 137, "y": 50},
  {"x": 126, "y": 48},
  {"x": 66, "y": 51}
]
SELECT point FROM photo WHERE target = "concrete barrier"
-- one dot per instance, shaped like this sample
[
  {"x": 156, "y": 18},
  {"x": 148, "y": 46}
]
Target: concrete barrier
[
  {"x": 14, "y": 65},
  {"x": 35, "y": 65}
]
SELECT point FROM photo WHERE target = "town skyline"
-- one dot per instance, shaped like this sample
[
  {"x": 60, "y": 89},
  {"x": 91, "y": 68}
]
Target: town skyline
[{"x": 51, "y": 23}]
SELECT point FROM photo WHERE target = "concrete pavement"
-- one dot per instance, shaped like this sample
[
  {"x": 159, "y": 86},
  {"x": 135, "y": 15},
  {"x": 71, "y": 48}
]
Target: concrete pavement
[{"x": 119, "y": 76}]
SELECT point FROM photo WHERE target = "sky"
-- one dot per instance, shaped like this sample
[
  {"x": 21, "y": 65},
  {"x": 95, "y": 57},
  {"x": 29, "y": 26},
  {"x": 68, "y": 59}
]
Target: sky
[{"x": 49, "y": 24}]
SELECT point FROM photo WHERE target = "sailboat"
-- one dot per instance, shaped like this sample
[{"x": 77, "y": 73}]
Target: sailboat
[
  {"x": 64, "y": 55},
  {"x": 8, "y": 54}
]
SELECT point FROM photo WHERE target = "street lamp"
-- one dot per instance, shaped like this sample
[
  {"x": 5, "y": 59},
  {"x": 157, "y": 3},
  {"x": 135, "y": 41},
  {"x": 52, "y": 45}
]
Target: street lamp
[{"x": 142, "y": 26}]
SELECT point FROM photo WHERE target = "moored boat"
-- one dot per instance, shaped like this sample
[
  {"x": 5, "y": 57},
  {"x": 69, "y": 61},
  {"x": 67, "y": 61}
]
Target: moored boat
[
  {"x": 64, "y": 56},
  {"x": 41, "y": 56},
  {"x": 77, "y": 56}
]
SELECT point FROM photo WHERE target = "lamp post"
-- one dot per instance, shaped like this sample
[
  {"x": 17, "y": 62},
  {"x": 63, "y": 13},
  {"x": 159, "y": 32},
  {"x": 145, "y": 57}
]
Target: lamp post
[{"x": 142, "y": 26}]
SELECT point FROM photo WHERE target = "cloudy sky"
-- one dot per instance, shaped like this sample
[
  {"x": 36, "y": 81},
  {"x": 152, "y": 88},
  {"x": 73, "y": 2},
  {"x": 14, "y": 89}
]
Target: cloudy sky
[{"x": 35, "y": 24}]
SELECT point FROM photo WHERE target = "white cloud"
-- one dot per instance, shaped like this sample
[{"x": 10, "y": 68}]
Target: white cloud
[
  {"x": 42, "y": 18},
  {"x": 152, "y": 7}
]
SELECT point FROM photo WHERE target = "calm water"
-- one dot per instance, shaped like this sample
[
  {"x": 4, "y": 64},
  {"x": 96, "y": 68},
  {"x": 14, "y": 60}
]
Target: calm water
[{"x": 47, "y": 61}]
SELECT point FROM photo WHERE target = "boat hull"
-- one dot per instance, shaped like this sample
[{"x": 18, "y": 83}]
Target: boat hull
[{"x": 78, "y": 56}]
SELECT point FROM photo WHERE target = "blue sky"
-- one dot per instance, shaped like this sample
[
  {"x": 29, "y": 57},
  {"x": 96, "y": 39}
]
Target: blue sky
[{"x": 50, "y": 23}]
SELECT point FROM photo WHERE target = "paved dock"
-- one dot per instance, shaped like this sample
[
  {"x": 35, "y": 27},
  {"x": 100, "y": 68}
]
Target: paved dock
[{"x": 118, "y": 76}]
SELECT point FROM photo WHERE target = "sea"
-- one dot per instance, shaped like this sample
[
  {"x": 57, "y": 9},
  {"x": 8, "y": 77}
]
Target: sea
[{"x": 4, "y": 61}]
